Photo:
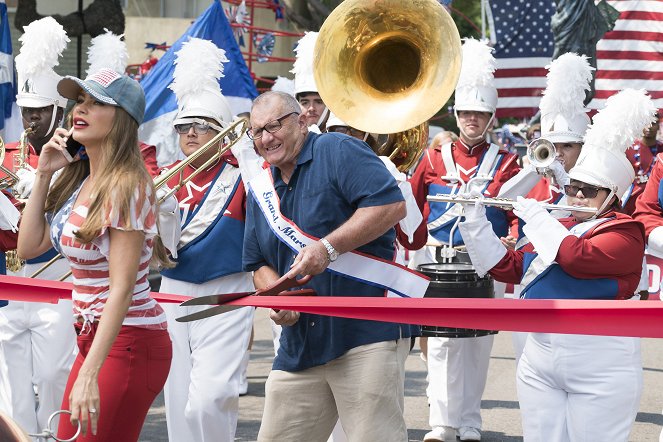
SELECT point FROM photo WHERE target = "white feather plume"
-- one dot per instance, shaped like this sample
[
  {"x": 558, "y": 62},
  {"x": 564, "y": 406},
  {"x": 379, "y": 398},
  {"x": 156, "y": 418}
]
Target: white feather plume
[
  {"x": 625, "y": 116},
  {"x": 569, "y": 76},
  {"x": 305, "y": 52},
  {"x": 107, "y": 51},
  {"x": 42, "y": 44},
  {"x": 198, "y": 68},
  {"x": 283, "y": 84},
  {"x": 478, "y": 65}
]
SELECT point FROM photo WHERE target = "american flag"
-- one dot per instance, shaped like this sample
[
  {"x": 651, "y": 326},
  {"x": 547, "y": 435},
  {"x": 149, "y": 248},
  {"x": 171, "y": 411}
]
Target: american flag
[
  {"x": 631, "y": 55},
  {"x": 523, "y": 45}
]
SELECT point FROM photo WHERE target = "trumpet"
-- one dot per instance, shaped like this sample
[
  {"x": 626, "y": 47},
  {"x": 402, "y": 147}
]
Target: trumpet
[
  {"x": 502, "y": 203},
  {"x": 541, "y": 153},
  {"x": 233, "y": 135}
]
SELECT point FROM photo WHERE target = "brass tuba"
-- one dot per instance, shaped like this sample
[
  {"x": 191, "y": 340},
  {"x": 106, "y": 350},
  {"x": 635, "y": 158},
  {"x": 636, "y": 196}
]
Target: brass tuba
[{"x": 386, "y": 67}]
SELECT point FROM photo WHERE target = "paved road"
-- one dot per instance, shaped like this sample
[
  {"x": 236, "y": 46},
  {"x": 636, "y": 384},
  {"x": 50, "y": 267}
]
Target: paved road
[{"x": 499, "y": 405}]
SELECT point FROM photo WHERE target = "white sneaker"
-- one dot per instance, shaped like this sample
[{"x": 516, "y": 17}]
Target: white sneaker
[
  {"x": 469, "y": 433},
  {"x": 441, "y": 434}
]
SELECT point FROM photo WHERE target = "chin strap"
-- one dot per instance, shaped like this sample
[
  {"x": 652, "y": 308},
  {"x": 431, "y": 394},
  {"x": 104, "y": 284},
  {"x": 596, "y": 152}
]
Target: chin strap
[
  {"x": 323, "y": 118},
  {"x": 603, "y": 206},
  {"x": 483, "y": 134}
]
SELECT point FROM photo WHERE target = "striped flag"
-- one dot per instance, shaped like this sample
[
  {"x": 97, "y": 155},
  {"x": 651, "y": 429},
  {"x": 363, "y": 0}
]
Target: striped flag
[
  {"x": 523, "y": 43},
  {"x": 631, "y": 55}
]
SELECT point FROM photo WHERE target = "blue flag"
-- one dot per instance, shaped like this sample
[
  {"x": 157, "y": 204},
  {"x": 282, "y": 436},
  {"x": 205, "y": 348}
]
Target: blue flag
[
  {"x": 161, "y": 104},
  {"x": 7, "y": 75}
]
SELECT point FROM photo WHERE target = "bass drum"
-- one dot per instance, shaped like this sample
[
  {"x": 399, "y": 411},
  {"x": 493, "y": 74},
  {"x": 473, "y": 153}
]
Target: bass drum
[{"x": 455, "y": 280}]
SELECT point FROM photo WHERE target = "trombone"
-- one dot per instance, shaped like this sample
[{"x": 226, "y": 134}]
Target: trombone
[{"x": 231, "y": 133}]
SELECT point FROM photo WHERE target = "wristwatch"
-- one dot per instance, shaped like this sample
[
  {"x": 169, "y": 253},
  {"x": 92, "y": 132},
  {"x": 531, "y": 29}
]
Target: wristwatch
[{"x": 331, "y": 251}]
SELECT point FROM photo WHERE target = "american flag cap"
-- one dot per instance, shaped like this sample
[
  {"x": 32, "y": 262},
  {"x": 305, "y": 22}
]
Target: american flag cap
[{"x": 109, "y": 87}]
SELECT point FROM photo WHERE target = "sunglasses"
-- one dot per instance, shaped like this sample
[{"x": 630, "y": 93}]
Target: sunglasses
[
  {"x": 200, "y": 126},
  {"x": 587, "y": 191}
]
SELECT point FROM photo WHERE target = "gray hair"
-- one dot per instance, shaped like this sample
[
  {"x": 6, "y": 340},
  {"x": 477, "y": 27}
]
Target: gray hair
[{"x": 287, "y": 102}]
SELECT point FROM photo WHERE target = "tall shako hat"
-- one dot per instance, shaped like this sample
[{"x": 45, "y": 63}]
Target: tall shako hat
[
  {"x": 603, "y": 161},
  {"x": 107, "y": 51},
  {"x": 285, "y": 85},
  {"x": 475, "y": 90},
  {"x": 42, "y": 44},
  {"x": 303, "y": 66},
  {"x": 563, "y": 115},
  {"x": 198, "y": 68}
]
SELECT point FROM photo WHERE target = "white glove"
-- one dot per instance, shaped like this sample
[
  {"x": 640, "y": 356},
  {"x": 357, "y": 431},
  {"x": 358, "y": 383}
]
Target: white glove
[
  {"x": 483, "y": 246},
  {"x": 561, "y": 177},
  {"x": 544, "y": 232},
  {"x": 26, "y": 179},
  {"x": 169, "y": 221},
  {"x": 474, "y": 211},
  {"x": 9, "y": 214},
  {"x": 655, "y": 242},
  {"x": 413, "y": 216},
  {"x": 521, "y": 184},
  {"x": 250, "y": 163}
]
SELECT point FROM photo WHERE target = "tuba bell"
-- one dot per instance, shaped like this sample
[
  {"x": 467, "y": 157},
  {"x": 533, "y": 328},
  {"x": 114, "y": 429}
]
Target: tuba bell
[{"x": 386, "y": 67}]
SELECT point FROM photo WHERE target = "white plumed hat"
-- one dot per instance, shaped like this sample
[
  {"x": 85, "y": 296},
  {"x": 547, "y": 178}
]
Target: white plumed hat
[
  {"x": 603, "y": 161},
  {"x": 198, "y": 68},
  {"x": 107, "y": 51},
  {"x": 333, "y": 120},
  {"x": 283, "y": 84},
  {"x": 42, "y": 44},
  {"x": 563, "y": 115},
  {"x": 475, "y": 90},
  {"x": 303, "y": 67}
]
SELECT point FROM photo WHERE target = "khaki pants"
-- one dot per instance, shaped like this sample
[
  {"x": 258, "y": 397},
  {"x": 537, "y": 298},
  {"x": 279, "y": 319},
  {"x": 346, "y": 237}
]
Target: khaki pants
[{"x": 364, "y": 388}]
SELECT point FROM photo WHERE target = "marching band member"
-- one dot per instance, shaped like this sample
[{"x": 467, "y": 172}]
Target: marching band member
[
  {"x": 306, "y": 91},
  {"x": 109, "y": 51},
  {"x": 471, "y": 164},
  {"x": 564, "y": 122},
  {"x": 102, "y": 216},
  {"x": 642, "y": 156},
  {"x": 578, "y": 387},
  {"x": 327, "y": 368},
  {"x": 202, "y": 391},
  {"x": 37, "y": 342}
]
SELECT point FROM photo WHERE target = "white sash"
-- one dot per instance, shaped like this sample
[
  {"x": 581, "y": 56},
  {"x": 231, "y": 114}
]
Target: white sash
[
  {"x": 478, "y": 182},
  {"x": 537, "y": 265},
  {"x": 215, "y": 200},
  {"x": 356, "y": 265}
]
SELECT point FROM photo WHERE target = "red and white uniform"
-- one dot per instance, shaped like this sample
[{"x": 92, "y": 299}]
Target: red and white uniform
[
  {"x": 458, "y": 366},
  {"x": 642, "y": 157},
  {"x": 149, "y": 154},
  {"x": 568, "y": 385},
  {"x": 202, "y": 391},
  {"x": 649, "y": 207},
  {"x": 37, "y": 341}
]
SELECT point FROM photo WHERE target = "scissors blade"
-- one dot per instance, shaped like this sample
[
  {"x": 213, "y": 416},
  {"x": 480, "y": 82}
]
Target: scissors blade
[
  {"x": 215, "y": 299},
  {"x": 203, "y": 314}
]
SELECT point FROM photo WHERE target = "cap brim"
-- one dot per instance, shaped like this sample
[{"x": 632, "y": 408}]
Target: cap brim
[
  {"x": 29, "y": 100},
  {"x": 198, "y": 113},
  {"x": 69, "y": 87}
]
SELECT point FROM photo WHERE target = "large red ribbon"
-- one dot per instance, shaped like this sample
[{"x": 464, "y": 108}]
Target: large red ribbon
[{"x": 610, "y": 318}]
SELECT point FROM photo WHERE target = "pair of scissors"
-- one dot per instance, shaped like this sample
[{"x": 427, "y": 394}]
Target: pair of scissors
[{"x": 280, "y": 287}]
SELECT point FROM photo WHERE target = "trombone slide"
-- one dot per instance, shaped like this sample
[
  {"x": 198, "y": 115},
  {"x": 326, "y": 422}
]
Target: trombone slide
[{"x": 502, "y": 203}]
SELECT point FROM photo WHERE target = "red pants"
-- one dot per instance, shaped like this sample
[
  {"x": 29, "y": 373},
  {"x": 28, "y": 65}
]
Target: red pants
[{"x": 132, "y": 376}]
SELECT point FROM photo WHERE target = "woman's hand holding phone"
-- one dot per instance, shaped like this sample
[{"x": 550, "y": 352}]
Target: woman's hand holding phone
[{"x": 54, "y": 155}]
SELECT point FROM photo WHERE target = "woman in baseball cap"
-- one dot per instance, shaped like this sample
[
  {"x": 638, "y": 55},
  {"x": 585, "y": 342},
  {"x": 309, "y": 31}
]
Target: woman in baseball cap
[{"x": 102, "y": 213}]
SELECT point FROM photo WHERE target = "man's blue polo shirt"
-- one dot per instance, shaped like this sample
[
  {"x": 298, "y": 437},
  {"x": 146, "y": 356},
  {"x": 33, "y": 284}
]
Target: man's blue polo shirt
[{"x": 334, "y": 176}]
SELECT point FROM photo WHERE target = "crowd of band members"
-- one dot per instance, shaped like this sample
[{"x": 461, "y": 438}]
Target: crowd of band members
[{"x": 321, "y": 361}]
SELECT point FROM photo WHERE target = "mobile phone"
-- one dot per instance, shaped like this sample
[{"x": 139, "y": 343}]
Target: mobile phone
[{"x": 72, "y": 152}]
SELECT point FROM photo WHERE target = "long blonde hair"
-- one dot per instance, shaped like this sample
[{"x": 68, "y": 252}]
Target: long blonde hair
[{"x": 121, "y": 172}]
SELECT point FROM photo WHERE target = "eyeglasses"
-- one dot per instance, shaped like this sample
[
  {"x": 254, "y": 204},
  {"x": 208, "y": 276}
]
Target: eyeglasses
[
  {"x": 200, "y": 126},
  {"x": 587, "y": 191},
  {"x": 272, "y": 127},
  {"x": 346, "y": 130}
]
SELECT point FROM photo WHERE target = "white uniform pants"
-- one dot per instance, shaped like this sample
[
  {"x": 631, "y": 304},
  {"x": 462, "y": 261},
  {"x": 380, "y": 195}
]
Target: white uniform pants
[
  {"x": 579, "y": 388},
  {"x": 37, "y": 348},
  {"x": 202, "y": 390}
]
